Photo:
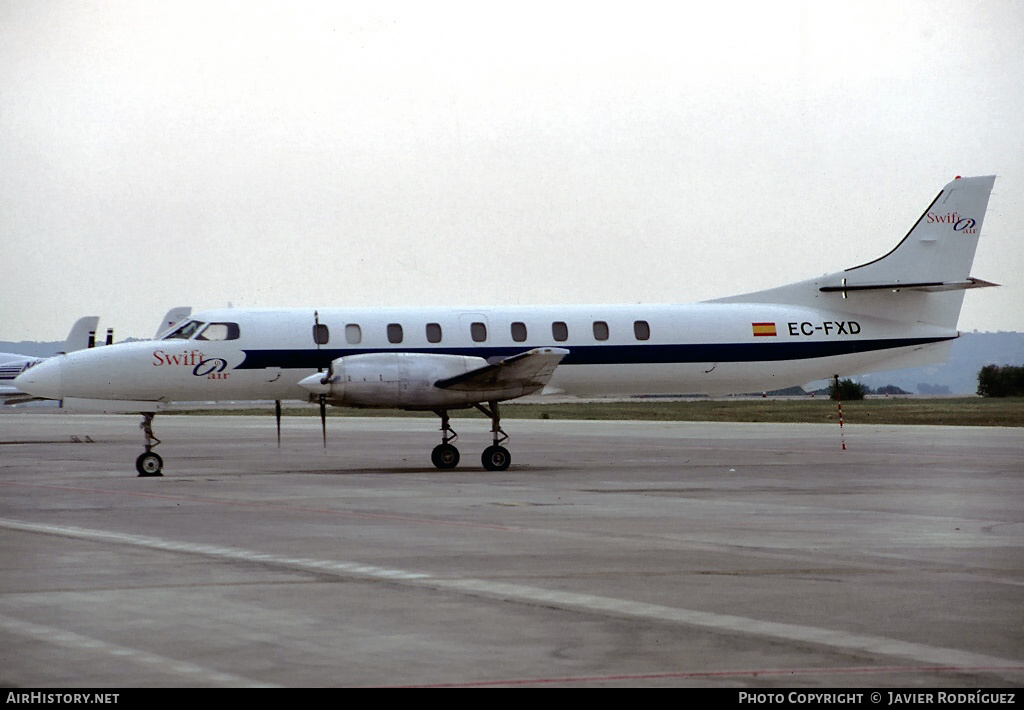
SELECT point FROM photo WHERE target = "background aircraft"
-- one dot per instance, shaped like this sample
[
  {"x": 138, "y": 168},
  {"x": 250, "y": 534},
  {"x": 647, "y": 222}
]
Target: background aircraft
[
  {"x": 172, "y": 318},
  {"x": 82, "y": 335},
  {"x": 896, "y": 311}
]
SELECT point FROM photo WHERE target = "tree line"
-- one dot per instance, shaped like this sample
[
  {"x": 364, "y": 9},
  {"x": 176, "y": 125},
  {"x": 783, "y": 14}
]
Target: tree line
[
  {"x": 993, "y": 381},
  {"x": 1001, "y": 381}
]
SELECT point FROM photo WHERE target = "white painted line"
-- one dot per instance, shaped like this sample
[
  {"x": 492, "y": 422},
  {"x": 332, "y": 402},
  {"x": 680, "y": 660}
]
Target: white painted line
[
  {"x": 189, "y": 672},
  {"x": 742, "y": 626}
]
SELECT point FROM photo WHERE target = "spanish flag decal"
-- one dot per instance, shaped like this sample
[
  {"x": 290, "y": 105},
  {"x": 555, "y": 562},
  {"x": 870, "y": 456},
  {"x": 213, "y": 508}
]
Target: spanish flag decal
[{"x": 764, "y": 328}]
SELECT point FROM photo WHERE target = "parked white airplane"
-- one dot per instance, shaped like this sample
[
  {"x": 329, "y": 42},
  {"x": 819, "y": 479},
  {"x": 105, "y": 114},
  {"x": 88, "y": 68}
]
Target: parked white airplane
[
  {"x": 896, "y": 311},
  {"x": 82, "y": 335}
]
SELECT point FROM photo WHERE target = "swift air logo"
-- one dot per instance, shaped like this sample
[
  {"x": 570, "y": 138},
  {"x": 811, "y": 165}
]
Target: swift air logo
[
  {"x": 212, "y": 369},
  {"x": 186, "y": 358},
  {"x": 964, "y": 225}
]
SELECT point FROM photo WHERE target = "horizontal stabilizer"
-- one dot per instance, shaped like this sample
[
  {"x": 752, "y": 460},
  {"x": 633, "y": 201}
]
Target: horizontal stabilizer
[
  {"x": 930, "y": 286},
  {"x": 528, "y": 371}
]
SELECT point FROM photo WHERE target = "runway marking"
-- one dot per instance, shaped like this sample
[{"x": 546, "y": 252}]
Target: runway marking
[
  {"x": 189, "y": 672},
  {"x": 717, "y": 674},
  {"x": 549, "y": 532},
  {"x": 270, "y": 506},
  {"x": 587, "y": 603}
]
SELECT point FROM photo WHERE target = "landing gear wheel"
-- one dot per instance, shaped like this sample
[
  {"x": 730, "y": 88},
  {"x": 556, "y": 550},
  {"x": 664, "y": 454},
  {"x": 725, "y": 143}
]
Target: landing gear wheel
[
  {"x": 445, "y": 456},
  {"x": 149, "y": 464},
  {"x": 496, "y": 458}
]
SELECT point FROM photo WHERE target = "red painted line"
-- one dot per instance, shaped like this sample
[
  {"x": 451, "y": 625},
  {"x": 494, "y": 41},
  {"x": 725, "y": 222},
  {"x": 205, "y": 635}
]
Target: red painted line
[
  {"x": 719, "y": 674},
  {"x": 267, "y": 506}
]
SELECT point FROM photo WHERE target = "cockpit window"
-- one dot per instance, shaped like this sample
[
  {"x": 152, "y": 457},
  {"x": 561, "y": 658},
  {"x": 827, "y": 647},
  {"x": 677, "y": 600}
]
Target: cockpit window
[
  {"x": 219, "y": 331},
  {"x": 185, "y": 331}
]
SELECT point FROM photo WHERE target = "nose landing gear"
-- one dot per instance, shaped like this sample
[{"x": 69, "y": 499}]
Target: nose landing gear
[{"x": 149, "y": 463}]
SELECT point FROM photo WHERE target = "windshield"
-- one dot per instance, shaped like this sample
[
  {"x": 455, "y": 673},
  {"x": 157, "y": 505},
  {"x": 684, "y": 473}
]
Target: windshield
[
  {"x": 184, "y": 332},
  {"x": 219, "y": 331}
]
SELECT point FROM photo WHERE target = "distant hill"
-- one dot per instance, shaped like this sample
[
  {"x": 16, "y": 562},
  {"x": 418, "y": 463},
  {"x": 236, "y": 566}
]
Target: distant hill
[
  {"x": 959, "y": 375},
  {"x": 968, "y": 354},
  {"x": 41, "y": 349},
  {"x": 32, "y": 348}
]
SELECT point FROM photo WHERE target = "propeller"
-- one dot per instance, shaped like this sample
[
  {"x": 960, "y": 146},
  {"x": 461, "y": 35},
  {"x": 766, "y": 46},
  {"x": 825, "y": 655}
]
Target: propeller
[
  {"x": 317, "y": 335},
  {"x": 323, "y": 417},
  {"x": 326, "y": 380},
  {"x": 277, "y": 415}
]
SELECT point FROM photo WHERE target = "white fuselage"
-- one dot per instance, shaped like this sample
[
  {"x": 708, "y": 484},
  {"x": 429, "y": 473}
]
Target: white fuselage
[{"x": 709, "y": 348}]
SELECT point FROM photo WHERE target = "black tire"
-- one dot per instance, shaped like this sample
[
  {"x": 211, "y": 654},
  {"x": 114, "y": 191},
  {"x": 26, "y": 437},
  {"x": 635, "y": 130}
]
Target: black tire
[
  {"x": 445, "y": 456},
  {"x": 496, "y": 458},
  {"x": 149, "y": 464}
]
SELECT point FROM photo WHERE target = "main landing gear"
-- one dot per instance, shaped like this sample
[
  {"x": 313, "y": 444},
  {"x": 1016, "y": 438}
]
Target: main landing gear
[
  {"x": 149, "y": 463},
  {"x": 444, "y": 456},
  {"x": 495, "y": 457}
]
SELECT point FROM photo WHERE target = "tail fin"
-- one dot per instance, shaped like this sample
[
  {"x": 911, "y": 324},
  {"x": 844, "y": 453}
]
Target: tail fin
[
  {"x": 939, "y": 249},
  {"x": 82, "y": 332},
  {"x": 172, "y": 318},
  {"x": 922, "y": 280}
]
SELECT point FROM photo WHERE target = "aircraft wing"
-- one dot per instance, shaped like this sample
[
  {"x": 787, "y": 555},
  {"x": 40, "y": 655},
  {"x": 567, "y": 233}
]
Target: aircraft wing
[
  {"x": 12, "y": 395},
  {"x": 524, "y": 373}
]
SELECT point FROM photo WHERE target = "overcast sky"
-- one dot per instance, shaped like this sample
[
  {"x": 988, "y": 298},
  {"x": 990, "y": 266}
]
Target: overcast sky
[{"x": 436, "y": 153}]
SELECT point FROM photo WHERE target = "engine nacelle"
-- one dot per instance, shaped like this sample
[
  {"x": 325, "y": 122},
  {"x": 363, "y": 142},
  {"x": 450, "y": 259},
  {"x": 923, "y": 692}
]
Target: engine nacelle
[{"x": 395, "y": 380}]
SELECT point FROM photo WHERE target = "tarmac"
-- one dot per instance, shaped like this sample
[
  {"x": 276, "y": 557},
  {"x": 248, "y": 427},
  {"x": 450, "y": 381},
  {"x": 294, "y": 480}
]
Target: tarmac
[{"x": 610, "y": 554}]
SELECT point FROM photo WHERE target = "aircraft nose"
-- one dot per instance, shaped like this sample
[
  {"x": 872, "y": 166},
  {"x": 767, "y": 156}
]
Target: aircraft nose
[{"x": 43, "y": 380}]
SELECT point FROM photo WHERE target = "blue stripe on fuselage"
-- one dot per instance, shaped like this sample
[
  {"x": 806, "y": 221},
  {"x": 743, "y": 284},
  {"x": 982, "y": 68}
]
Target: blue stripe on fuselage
[{"x": 605, "y": 354}]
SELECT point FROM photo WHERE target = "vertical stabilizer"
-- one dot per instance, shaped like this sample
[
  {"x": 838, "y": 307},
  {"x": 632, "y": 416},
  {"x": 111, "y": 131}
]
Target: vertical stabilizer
[
  {"x": 921, "y": 281},
  {"x": 78, "y": 338},
  {"x": 172, "y": 318},
  {"x": 940, "y": 247}
]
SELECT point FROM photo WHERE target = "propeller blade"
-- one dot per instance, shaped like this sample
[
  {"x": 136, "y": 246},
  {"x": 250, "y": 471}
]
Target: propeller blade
[
  {"x": 323, "y": 417},
  {"x": 326, "y": 379},
  {"x": 277, "y": 415}
]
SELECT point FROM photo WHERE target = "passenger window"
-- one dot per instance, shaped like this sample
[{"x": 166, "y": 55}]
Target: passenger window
[
  {"x": 394, "y": 333},
  {"x": 641, "y": 330},
  {"x": 559, "y": 331},
  {"x": 519, "y": 332},
  {"x": 221, "y": 331},
  {"x": 321, "y": 334},
  {"x": 600, "y": 330},
  {"x": 433, "y": 332},
  {"x": 353, "y": 334},
  {"x": 184, "y": 332},
  {"x": 478, "y": 331}
]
